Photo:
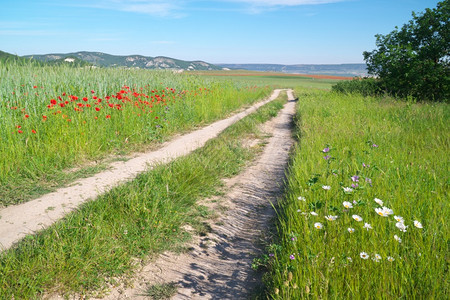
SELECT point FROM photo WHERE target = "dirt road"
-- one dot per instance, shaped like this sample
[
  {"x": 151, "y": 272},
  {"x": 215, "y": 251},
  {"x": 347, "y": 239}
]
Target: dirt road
[{"x": 219, "y": 264}]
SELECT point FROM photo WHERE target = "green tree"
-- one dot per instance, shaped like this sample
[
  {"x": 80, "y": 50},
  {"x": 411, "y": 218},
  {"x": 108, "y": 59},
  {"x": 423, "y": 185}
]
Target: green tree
[{"x": 414, "y": 60}]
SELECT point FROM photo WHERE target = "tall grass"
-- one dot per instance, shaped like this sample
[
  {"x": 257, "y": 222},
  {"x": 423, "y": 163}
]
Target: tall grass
[
  {"x": 102, "y": 241},
  {"x": 366, "y": 209},
  {"x": 54, "y": 118}
]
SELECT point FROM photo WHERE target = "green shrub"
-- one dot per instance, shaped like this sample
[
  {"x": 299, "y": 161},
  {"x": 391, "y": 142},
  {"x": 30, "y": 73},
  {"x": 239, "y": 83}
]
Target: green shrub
[{"x": 365, "y": 87}]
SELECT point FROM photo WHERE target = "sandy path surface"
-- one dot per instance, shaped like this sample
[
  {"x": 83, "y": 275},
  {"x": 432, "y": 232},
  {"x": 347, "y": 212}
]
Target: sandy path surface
[
  {"x": 20, "y": 220},
  {"x": 219, "y": 264}
]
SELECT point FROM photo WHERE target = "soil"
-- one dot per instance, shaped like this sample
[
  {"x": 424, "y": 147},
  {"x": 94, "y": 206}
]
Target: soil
[{"x": 218, "y": 265}]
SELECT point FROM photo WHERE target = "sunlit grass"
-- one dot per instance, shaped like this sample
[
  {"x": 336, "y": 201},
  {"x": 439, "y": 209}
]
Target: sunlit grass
[
  {"x": 54, "y": 118},
  {"x": 104, "y": 239},
  {"x": 360, "y": 167}
]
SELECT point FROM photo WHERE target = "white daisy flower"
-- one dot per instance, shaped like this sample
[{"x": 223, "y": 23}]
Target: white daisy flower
[
  {"x": 318, "y": 225},
  {"x": 379, "y": 201},
  {"x": 399, "y": 219},
  {"x": 299, "y": 211},
  {"x": 388, "y": 211},
  {"x": 364, "y": 255},
  {"x": 326, "y": 187},
  {"x": 376, "y": 258},
  {"x": 331, "y": 218},
  {"x": 390, "y": 258},
  {"x": 357, "y": 218},
  {"x": 314, "y": 213},
  {"x": 301, "y": 198},
  {"x": 349, "y": 259},
  {"x": 397, "y": 238},
  {"x": 384, "y": 211},
  {"x": 347, "y": 204},
  {"x": 351, "y": 230},
  {"x": 367, "y": 226},
  {"x": 380, "y": 212},
  {"x": 418, "y": 224},
  {"x": 401, "y": 226},
  {"x": 347, "y": 189}
]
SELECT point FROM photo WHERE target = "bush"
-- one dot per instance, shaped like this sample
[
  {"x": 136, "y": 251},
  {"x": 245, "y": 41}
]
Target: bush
[{"x": 365, "y": 87}]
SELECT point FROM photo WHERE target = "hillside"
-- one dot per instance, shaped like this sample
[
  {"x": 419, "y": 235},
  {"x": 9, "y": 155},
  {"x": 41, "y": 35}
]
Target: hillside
[
  {"x": 330, "y": 69},
  {"x": 130, "y": 61},
  {"x": 8, "y": 57}
]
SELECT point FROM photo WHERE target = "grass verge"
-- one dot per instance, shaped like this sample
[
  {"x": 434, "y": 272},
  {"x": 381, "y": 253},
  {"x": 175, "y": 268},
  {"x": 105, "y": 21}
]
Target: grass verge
[
  {"x": 106, "y": 238},
  {"x": 364, "y": 215}
]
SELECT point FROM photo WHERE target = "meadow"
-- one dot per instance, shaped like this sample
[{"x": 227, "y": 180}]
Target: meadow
[
  {"x": 366, "y": 205},
  {"x": 55, "y": 118}
]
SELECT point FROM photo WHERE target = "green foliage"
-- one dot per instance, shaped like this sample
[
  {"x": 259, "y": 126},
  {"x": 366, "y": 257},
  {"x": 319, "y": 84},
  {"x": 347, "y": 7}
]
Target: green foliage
[
  {"x": 365, "y": 87},
  {"x": 414, "y": 60}
]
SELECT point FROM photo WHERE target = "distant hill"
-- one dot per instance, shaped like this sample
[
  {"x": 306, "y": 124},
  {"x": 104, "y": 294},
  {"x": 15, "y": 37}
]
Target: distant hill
[
  {"x": 130, "y": 61},
  {"x": 8, "y": 57},
  {"x": 335, "y": 70}
]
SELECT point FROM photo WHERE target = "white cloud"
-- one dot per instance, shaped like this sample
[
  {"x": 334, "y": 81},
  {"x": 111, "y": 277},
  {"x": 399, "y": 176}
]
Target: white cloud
[{"x": 159, "y": 8}]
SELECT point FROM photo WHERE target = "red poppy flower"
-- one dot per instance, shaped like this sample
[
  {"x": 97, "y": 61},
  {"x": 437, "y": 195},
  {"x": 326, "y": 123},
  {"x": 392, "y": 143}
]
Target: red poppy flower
[
  {"x": 33, "y": 131},
  {"x": 92, "y": 91},
  {"x": 53, "y": 101},
  {"x": 19, "y": 131},
  {"x": 27, "y": 116},
  {"x": 108, "y": 116},
  {"x": 44, "y": 118},
  {"x": 97, "y": 108},
  {"x": 85, "y": 99}
]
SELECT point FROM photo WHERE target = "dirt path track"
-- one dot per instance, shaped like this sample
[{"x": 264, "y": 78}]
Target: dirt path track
[
  {"x": 219, "y": 265},
  {"x": 20, "y": 220}
]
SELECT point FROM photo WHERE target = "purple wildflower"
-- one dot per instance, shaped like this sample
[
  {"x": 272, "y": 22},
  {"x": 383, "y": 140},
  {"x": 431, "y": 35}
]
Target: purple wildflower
[
  {"x": 355, "y": 178},
  {"x": 327, "y": 157},
  {"x": 375, "y": 145},
  {"x": 365, "y": 166},
  {"x": 355, "y": 185},
  {"x": 325, "y": 150},
  {"x": 292, "y": 256},
  {"x": 271, "y": 254}
]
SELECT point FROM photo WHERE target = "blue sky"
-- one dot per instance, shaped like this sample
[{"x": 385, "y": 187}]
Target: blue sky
[{"x": 227, "y": 31}]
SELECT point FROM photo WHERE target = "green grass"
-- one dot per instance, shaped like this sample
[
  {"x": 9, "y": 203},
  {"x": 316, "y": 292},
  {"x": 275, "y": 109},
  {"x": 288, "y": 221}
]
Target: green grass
[
  {"x": 399, "y": 152},
  {"x": 53, "y": 118},
  {"x": 103, "y": 239},
  {"x": 161, "y": 291}
]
